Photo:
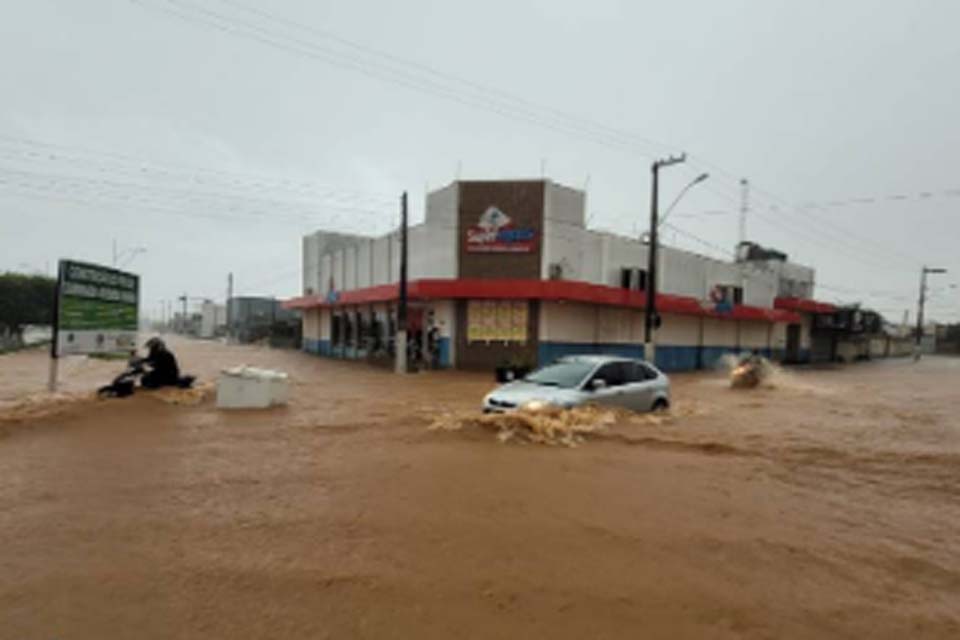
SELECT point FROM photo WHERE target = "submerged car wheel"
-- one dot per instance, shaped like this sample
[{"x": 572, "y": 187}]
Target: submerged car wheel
[{"x": 660, "y": 404}]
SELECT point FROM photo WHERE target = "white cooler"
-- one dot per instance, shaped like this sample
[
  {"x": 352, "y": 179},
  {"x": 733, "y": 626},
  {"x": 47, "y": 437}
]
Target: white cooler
[{"x": 251, "y": 388}]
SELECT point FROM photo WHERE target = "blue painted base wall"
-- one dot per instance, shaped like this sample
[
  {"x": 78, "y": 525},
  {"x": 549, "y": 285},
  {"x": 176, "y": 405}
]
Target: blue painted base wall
[
  {"x": 668, "y": 358},
  {"x": 324, "y": 348}
]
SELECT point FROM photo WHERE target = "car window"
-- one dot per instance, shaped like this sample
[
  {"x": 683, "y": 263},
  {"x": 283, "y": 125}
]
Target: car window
[
  {"x": 566, "y": 375},
  {"x": 640, "y": 372},
  {"x": 613, "y": 373}
]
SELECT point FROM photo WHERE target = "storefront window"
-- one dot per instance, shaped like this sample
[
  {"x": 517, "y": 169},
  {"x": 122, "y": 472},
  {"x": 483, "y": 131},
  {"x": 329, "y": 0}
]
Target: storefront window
[
  {"x": 336, "y": 329},
  {"x": 376, "y": 332},
  {"x": 348, "y": 332}
]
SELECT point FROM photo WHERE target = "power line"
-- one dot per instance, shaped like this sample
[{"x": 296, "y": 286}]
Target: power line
[
  {"x": 884, "y": 198},
  {"x": 392, "y": 68},
  {"x": 848, "y": 250},
  {"x": 24, "y": 189},
  {"x": 120, "y": 163},
  {"x": 406, "y": 74},
  {"x": 208, "y": 200}
]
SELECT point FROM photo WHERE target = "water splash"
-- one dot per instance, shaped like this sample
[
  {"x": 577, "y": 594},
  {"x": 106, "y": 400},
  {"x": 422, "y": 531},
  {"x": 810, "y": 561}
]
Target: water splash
[{"x": 547, "y": 425}]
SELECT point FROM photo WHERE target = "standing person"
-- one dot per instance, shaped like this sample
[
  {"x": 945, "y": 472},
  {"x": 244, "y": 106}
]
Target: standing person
[
  {"x": 433, "y": 346},
  {"x": 413, "y": 348}
]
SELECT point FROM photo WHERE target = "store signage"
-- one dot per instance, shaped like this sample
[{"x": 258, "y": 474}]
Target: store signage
[
  {"x": 495, "y": 233},
  {"x": 97, "y": 309}
]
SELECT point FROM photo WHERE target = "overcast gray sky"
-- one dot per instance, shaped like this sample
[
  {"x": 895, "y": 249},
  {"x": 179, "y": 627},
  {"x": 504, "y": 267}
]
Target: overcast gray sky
[{"x": 215, "y": 137}]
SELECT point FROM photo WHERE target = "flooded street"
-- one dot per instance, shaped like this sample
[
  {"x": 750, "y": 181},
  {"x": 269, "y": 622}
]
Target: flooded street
[{"x": 825, "y": 506}]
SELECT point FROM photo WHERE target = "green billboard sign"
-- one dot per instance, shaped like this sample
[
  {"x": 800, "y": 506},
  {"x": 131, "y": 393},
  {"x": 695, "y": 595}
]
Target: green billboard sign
[{"x": 97, "y": 309}]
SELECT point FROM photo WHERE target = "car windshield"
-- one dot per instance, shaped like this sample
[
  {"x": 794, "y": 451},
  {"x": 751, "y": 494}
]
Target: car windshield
[{"x": 562, "y": 374}]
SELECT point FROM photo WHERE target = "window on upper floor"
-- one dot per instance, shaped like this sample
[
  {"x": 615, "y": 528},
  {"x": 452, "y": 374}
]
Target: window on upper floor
[{"x": 633, "y": 279}]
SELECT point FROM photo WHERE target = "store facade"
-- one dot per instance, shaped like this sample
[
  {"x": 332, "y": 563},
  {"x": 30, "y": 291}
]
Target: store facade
[{"x": 507, "y": 272}]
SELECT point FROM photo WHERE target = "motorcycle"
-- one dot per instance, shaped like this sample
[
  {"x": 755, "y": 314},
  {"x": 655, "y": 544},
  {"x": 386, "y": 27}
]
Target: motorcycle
[
  {"x": 125, "y": 383},
  {"x": 748, "y": 374}
]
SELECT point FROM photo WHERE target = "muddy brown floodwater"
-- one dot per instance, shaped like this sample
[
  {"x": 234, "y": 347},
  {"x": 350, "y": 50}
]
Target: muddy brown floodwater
[{"x": 826, "y": 506}]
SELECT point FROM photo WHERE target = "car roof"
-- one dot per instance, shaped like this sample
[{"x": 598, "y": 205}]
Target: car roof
[{"x": 593, "y": 358}]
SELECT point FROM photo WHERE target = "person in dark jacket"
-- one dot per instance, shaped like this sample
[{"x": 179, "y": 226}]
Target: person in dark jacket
[{"x": 161, "y": 364}]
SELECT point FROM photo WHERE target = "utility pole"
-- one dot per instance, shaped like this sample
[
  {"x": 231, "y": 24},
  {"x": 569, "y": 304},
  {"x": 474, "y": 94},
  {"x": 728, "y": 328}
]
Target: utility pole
[
  {"x": 115, "y": 256},
  {"x": 401, "y": 341},
  {"x": 738, "y": 254},
  {"x": 55, "y": 338},
  {"x": 923, "y": 295},
  {"x": 183, "y": 318},
  {"x": 651, "y": 319},
  {"x": 229, "y": 304},
  {"x": 744, "y": 208}
]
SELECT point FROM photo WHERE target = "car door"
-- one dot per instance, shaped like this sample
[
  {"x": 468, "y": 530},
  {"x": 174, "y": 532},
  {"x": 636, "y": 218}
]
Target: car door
[
  {"x": 612, "y": 393},
  {"x": 639, "y": 386}
]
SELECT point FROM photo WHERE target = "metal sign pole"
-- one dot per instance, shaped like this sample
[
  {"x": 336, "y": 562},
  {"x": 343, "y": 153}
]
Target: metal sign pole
[{"x": 54, "y": 356}]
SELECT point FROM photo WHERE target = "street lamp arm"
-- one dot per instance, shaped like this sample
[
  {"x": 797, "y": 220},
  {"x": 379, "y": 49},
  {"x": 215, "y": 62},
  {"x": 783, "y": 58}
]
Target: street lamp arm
[
  {"x": 700, "y": 178},
  {"x": 133, "y": 253}
]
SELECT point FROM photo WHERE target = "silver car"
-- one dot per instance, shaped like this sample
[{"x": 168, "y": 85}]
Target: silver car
[{"x": 575, "y": 380}]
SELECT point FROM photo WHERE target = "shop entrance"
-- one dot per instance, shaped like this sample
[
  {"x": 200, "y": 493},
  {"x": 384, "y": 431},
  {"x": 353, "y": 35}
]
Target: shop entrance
[{"x": 793, "y": 343}]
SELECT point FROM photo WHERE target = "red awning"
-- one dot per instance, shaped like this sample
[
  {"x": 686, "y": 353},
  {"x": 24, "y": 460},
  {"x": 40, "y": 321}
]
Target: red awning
[
  {"x": 555, "y": 290},
  {"x": 803, "y": 305}
]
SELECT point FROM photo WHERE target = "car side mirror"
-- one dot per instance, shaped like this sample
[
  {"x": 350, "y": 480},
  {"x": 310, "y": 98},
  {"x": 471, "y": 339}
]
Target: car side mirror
[{"x": 598, "y": 383}]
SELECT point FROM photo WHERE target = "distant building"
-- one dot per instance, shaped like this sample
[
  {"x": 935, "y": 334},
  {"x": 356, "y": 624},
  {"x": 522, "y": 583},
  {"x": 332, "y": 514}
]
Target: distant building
[
  {"x": 848, "y": 333},
  {"x": 213, "y": 319},
  {"x": 250, "y": 318},
  {"x": 948, "y": 339},
  {"x": 188, "y": 324},
  {"x": 507, "y": 271}
]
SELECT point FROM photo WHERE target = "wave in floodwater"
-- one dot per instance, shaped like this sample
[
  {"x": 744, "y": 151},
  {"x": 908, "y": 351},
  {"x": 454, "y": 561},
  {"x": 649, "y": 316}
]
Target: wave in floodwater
[
  {"x": 45, "y": 404},
  {"x": 771, "y": 376},
  {"x": 551, "y": 425}
]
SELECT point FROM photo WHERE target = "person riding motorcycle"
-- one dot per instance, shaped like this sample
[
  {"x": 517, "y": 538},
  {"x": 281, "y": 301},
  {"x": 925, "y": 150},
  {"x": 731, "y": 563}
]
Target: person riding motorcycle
[
  {"x": 161, "y": 364},
  {"x": 752, "y": 359},
  {"x": 749, "y": 371}
]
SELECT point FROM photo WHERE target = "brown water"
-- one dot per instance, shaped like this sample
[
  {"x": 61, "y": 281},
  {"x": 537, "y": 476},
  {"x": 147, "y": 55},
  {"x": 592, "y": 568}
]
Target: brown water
[{"x": 825, "y": 506}]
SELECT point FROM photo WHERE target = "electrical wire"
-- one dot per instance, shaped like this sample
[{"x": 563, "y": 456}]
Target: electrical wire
[
  {"x": 37, "y": 151},
  {"x": 398, "y": 70},
  {"x": 129, "y": 191}
]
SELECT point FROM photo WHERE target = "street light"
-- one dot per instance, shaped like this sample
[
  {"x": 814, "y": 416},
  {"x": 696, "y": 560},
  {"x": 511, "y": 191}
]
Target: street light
[
  {"x": 129, "y": 253},
  {"x": 134, "y": 252},
  {"x": 651, "y": 319},
  {"x": 700, "y": 178},
  {"x": 923, "y": 294}
]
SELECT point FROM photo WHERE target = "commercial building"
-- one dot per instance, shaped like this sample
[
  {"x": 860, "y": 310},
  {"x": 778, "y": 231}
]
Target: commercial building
[
  {"x": 506, "y": 271},
  {"x": 849, "y": 333}
]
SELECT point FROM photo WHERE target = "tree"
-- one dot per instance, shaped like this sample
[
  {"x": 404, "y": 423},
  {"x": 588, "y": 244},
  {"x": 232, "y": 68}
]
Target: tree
[{"x": 25, "y": 300}]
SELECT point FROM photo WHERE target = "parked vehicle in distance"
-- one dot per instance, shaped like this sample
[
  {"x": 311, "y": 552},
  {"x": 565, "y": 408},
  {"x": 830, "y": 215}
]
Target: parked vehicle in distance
[{"x": 587, "y": 379}]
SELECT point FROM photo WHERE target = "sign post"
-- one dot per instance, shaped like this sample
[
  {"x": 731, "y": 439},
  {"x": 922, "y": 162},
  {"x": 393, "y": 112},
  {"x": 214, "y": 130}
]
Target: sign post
[
  {"x": 54, "y": 358},
  {"x": 96, "y": 311}
]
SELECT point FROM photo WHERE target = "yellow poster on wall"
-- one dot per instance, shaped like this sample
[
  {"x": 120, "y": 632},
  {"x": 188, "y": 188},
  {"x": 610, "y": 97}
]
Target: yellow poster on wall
[
  {"x": 497, "y": 320},
  {"x": 488, "y": 318},
  {"x": 518, "y": 325},
  {"x": 504, "y": 330},
  {"x": 476, "y": 331}
]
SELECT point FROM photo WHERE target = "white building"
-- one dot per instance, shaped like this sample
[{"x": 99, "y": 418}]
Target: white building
[
  {"x": 507, "y": 271},
  {"x": 213, "y": 319}
]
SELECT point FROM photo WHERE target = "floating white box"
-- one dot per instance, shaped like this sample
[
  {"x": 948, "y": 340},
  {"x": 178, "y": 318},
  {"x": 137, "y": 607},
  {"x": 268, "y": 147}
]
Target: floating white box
[{"x": 251, "y": 388}]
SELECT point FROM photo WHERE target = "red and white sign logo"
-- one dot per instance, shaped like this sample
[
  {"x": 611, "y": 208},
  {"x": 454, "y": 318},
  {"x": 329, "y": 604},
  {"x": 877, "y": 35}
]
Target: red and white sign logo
[{"x": 495, "y": 233}]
